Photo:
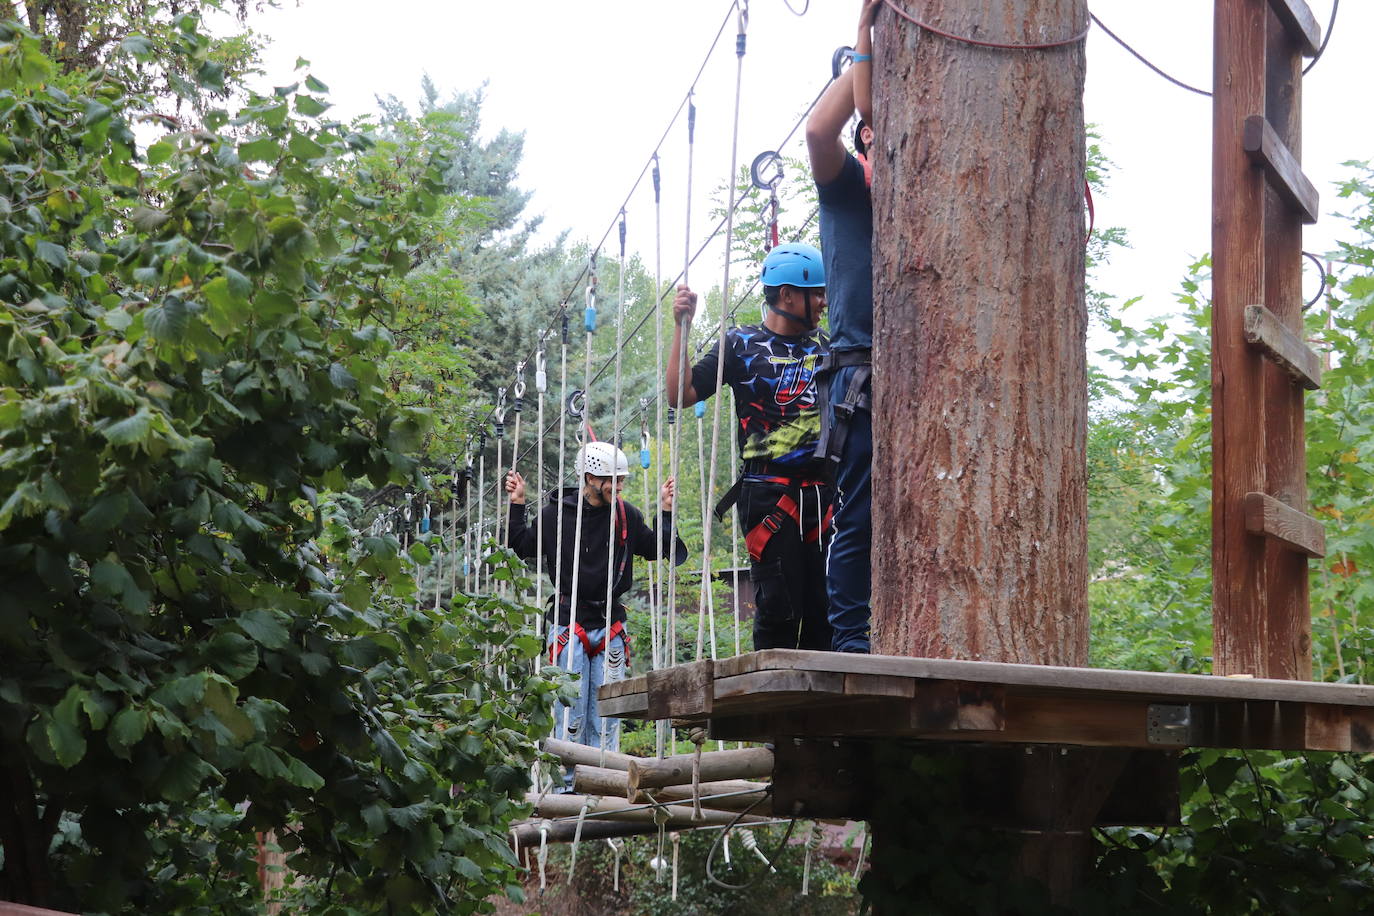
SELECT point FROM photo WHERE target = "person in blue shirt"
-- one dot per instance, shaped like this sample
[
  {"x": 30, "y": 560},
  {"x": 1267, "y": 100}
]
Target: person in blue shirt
[
  {"x": 843, "y": 182},
  {"x": 784, "y": 501}
]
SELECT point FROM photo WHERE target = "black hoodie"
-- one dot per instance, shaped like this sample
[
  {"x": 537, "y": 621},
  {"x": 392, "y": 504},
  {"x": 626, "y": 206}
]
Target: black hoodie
[{"x": 633, "y": 538}]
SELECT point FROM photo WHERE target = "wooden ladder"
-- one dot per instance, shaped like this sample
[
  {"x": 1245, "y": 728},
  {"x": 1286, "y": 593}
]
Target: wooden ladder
[{"x": 1262, "y": 533}]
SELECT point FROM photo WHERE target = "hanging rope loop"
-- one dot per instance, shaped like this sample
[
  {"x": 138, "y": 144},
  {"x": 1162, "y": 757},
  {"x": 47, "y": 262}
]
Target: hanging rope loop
[
  {"x": 589, "y": 315},
  {"x": 658, "y": 182},
  {"x": 743, "y": 27},
  {"x": 622, "y": 233}
]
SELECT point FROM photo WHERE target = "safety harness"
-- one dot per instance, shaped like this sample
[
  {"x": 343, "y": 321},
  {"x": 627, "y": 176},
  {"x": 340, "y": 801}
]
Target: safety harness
[
  {"x": 757, "y": 538},
  {"x": 833, "y": 434},
  {"x": 617, "y": 627}
]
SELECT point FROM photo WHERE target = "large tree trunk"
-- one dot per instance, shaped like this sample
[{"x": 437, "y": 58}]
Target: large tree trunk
[{"x": 979, "y": 515}]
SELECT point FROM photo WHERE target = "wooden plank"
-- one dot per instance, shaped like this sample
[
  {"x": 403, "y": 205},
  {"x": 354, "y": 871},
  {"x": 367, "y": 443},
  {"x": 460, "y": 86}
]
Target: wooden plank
[
  {"x": 630, "y": 706},
  {"x": 1301, "y": 26},
  {"x": 1326, "y": 728},
  {"x": 682, "y": 690},
  {"x": 653, "y": 773},
  {"x": 1162, "y": 687},
  {"x": 814, "y": 778},
  {"x": 736, "y": 690},
  {"x": 1361, "y": 730},
  {"x": 958, "y": 706},
  {"x": 1264, "y": 330},
  {"x": 1267, "y": 516},
  {"x": 526, "y": 833},
  {"x": 742, "y": 793},
  {"x": 621, "y": 688},
  {"x": 1264, "y": 148}
]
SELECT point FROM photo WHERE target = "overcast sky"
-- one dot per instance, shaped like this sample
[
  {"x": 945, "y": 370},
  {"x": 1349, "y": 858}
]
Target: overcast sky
[{"x": 594, "y": 84}]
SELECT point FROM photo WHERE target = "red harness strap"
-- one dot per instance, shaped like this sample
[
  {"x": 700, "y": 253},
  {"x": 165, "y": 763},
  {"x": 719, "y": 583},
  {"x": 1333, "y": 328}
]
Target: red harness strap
[
  {"x": 589, "y": 649},
  {"x": 758, "y": 537}
]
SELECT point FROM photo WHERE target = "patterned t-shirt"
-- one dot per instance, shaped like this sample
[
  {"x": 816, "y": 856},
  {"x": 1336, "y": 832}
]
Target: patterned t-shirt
[{"x": 773, "y": 377}]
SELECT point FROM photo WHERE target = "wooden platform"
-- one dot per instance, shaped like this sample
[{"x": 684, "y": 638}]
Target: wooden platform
[{"x": 785, "y": 693}]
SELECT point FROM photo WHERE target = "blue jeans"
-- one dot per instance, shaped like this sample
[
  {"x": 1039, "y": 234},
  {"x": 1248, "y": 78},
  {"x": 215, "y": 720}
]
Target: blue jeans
[
  {"x": 580, "y": 722},
  {"x": 847, "y": 568}
]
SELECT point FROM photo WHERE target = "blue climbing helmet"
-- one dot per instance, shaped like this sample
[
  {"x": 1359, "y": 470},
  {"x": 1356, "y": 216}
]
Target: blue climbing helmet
[{"x": 794, "y": 264}]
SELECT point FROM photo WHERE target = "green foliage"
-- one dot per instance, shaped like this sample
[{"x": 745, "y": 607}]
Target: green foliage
[{"x": 198, "y": 643}]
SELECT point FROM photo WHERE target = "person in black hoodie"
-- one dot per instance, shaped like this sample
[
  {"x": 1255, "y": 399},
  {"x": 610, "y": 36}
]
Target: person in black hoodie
[{"x": 596, "y": 638}]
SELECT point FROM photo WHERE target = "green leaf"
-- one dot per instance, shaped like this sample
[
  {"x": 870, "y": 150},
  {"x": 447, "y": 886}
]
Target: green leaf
[
  {"x": 139, "y": 46},
  {"x": 305, "y": 148},
  {"x": 311, "y": 107},
  {"x": 311, "y": 83},
  {"x": 95, "y": 113},
  {"x": 107, "y": 512},
  {"x": 129, "y": 726},
  {"x": 302, "y": 775},
  {"x": 168, "y": 321},
  {"x": 132, "y": 430},
  {"x": 265, "y": 761},
  {"x": 232, "y": 654},
  {"x": 55, "y": 255},
  {"x": 467, "y": 868},
  {"x": 160, "y": 152},
  {"x": 64, "y": 733},
  {"x": 265, "y": 627},
  {"x": 409, "y": 816},
  {"x": 182, "y": 776},
  {"x": 263, "y": 149}
]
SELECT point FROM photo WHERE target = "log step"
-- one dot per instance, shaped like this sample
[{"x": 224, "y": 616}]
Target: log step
[
  {"x": 1265, "y": 330},
  {"x": 1273, "y": 518},
  {"x": 1264, "y": 148},
  {"x": 1300, "y": 24}
]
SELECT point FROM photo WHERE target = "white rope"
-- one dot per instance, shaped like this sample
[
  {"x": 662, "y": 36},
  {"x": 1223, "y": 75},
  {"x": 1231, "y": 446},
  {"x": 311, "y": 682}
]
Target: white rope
[
  {"x": 591, "y": 801},
  {"x": 581, "y": 436},
  {"x": 751, "y": 843},
  {"x": 863, "y": 850},
  {"x": 604, "y": 730},
  {"x": 543, "y": 854},
  {"x": 709, "y": 496},
  {"x": 677, "y": 841},
  {"x": 481, "y": 505},
  {"x": 813, "y": 841},
  {"x": 541, "y": 385},
  {"x": 617, "y": 846}
]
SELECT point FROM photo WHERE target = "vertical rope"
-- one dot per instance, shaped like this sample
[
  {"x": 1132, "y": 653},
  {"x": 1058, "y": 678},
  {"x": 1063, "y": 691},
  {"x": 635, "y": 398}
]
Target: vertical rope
[
  {"x": 615, "y": 427},
  {"x": 813, "y": 841},
  {"x": 677, "y": 841},
  {"x": 709, "y": 498},
  {"x": 541, "y": 385},
  {"x": 581, "y": 435}
]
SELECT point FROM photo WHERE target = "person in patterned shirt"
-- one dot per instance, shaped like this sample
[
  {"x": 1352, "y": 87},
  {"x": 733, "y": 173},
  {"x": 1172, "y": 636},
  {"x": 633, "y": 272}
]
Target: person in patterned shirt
[{"x": 784, "y": 503}]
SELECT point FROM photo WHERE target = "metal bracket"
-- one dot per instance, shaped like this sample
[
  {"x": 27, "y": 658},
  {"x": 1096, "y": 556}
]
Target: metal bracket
[{"x": 1169, "y": 725}]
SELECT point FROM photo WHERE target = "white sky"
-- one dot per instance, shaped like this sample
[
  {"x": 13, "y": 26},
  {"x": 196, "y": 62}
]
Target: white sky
[{"x": 594, "y": 83}]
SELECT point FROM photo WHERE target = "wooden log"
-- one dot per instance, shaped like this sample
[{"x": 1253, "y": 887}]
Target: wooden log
[
  {"x": 619, "y": 809},
  {"x": 572, "y": 754},
  {"x": 647, "y": 773},
  {"x": 526, "y": 833},
  {"x": 602, "y": 781}
]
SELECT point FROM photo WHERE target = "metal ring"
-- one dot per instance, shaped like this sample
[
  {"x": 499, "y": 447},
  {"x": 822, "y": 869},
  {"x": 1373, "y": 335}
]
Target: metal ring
[
  {"x": 576, "y": 404},
  {"x": 764, "y": 160},
  {"x": 1321, "y": 271}
]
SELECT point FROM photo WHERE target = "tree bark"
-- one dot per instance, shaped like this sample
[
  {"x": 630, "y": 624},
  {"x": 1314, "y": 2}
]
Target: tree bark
[{"x": 980, "y": 378}]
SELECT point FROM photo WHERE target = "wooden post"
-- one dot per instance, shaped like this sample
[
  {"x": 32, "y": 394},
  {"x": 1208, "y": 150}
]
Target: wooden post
[
  {"x": 980, "y": 367},
  {"x": 1261, "y": 534}
]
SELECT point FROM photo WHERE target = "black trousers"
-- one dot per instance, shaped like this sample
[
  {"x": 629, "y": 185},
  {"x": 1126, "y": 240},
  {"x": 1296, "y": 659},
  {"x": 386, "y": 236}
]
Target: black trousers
[{"x": 789, "y": 576}]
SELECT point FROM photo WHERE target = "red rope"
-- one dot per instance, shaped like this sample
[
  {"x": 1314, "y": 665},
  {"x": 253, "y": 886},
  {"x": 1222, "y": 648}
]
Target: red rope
[{"x": 892, "y": 4}]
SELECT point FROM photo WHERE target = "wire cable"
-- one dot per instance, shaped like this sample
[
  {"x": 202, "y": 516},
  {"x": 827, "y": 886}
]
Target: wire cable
[
  {"x": 1330, "y": 27},
  {"x": 1144, "y": 60},
  {"x": 996, "y": 45}
]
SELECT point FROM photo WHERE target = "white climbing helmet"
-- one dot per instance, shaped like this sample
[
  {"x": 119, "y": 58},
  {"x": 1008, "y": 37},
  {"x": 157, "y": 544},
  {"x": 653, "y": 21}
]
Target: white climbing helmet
[{"x": 602, "y": 459}]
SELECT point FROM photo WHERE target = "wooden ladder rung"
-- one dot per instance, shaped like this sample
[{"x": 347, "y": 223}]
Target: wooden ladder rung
[
  {"x": 1265, "y": 148},
  {"x": 1273, "y": 518},
  {"x": 1265, "y": 330},
  {"x": 1299, "y": 22}
]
